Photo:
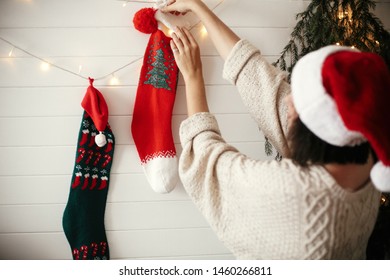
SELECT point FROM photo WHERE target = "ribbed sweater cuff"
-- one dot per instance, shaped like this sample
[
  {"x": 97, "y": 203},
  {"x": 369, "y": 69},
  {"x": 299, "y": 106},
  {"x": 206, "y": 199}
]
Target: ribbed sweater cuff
[
  {"x": 197, "y": 124},
  {"x": 236, "y": 60}
]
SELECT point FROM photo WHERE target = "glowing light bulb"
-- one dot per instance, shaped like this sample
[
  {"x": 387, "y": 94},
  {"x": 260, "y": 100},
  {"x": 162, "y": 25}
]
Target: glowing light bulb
[
  {"x": 170, "y": 32},
  {"x": 124, "y": 4},
  {"x": 203, "y": 31},
  {"x": 45, "y": 66},
  {"x": 338, "y": 44},
  {"x": 11, "y": 52},
  {"x": 114, "y": 81}
]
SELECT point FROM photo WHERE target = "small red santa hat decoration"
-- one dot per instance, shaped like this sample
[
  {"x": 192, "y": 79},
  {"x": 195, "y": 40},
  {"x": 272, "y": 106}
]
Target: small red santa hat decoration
[
  {"x": 96, "y": 107},
  {"x": 343, "y": 96}
]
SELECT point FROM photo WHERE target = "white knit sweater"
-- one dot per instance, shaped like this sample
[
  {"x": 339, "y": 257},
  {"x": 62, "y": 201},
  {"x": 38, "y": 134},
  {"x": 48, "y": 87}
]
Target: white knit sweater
[{"x": 270, "y": 209}]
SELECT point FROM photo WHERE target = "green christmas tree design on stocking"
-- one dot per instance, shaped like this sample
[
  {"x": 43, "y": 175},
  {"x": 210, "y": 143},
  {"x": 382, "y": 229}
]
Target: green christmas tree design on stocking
[{"x": 157, "y": 76}]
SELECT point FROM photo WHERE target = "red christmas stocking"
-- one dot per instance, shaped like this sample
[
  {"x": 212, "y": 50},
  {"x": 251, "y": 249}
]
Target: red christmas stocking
[{"x": 151, "y": 125}]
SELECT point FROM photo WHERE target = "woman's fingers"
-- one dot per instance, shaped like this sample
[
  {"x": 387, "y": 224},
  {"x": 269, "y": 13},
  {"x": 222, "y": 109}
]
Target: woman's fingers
[
  {"x": 183, "y": 40},
  {"x": 169, "y": 3},
  {"x": 174, "y": 48},
  {"x": 177, "y": 42},
  {"x": 189, "y": 36},
  {"x": 176, "y": 8},
  {"x": 182, "y": 36},
  {"x": 186, "y": 53}
]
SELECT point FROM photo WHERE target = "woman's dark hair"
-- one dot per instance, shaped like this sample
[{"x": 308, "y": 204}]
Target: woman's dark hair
[{"x": 306, "y": 148}]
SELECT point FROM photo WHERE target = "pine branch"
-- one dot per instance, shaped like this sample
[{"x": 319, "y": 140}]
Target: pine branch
[{"x": 324, "y": 22}]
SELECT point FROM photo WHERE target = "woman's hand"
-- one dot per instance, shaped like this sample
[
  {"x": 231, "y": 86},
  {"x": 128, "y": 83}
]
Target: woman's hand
[
  {"x": 187, "y": 54},
  {"x": 181, "y": 6},
  {"x": 222, "y": 36}
]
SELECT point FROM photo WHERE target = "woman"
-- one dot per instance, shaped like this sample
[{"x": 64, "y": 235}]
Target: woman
[{"x": 318, "y": 202}]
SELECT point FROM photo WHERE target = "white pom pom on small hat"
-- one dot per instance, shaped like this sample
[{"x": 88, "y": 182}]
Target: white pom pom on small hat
[
  {"x": 100, "y": 139},
  {"x": 343, "y": 96}
]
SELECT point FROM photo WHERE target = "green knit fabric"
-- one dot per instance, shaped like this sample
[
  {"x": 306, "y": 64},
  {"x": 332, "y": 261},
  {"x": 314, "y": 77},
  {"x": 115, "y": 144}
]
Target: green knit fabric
[{"x": 83, "y": 219}]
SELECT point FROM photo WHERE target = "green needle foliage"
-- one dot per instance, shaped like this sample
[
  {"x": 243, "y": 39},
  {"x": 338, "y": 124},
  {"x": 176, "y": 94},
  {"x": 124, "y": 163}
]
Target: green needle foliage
[{"x": 344, "y": 22}]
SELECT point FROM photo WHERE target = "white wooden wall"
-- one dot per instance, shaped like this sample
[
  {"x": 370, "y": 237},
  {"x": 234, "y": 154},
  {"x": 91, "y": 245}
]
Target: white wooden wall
[{"x": 40, "y": 115}]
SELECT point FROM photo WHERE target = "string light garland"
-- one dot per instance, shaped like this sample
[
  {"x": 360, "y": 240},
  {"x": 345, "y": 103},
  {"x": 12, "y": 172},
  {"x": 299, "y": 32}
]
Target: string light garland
[{"x": 46, "y": 65}]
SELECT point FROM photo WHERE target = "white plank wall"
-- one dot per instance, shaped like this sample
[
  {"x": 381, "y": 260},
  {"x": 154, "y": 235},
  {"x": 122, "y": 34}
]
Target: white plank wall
[{"x": 40, "y": 115}]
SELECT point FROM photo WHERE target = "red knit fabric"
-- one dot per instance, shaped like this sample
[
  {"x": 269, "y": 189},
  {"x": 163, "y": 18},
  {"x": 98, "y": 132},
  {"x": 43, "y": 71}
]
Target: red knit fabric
[
  {"x": 145, "y": 21},
  {"x": 151, "y": 124},
  {"x": 96, "y": 107},
  {"x": 362, "y": 97}
]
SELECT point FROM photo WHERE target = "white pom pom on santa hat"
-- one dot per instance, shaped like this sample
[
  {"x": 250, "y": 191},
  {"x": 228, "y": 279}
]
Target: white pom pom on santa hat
[
  {"x": 100, "y": 139},
  {"x": 343, "y": 96},
  {"x": 380, "y": 176}
]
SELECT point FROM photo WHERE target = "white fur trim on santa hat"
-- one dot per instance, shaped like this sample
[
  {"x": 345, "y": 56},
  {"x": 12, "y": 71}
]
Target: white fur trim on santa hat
[
  {"x": 380, "y": 177},
  {"x": 315, "y": 107}
]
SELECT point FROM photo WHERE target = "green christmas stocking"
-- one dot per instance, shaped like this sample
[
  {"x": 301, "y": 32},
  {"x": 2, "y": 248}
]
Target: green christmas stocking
[{"x": 83, "y": 219}]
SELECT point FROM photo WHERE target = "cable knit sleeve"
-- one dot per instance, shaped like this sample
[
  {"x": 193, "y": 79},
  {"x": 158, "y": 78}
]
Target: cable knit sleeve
[
  {"x": 262, "y": 88},
  {"x": 236, "y": 194}
]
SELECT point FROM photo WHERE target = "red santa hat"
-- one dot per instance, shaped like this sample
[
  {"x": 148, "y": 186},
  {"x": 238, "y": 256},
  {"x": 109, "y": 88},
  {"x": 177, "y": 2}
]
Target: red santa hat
[
  {"x": 343, "y": 96},
  {"x": 96, "y": 107}
]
